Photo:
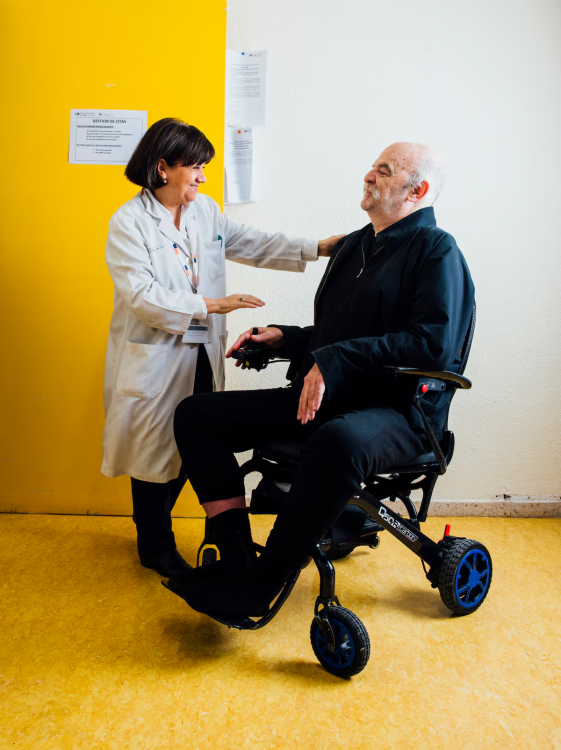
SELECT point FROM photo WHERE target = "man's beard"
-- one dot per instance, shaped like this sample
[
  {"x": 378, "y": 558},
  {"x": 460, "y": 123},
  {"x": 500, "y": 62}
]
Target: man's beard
[
  {"x": 372, "y": 200},
  {"x": 370, "y": 197}
]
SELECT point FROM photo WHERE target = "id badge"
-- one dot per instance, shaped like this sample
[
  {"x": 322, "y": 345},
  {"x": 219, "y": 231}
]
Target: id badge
[{"x": 197, "y": 333}]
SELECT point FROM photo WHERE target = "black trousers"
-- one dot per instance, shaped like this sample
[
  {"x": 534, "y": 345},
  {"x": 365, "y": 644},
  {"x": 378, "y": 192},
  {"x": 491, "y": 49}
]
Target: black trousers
[
  {"x": 342, "y": 446},
  {"x": 153, "y": 502}
]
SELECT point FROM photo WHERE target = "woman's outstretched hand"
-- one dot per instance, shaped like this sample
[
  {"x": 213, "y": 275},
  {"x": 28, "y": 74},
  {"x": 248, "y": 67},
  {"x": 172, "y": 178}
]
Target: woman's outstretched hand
[
  {"x": 326, "y": 247},
  {"x": 233, "y": 302},
  {"x": 272, "y": 338}
]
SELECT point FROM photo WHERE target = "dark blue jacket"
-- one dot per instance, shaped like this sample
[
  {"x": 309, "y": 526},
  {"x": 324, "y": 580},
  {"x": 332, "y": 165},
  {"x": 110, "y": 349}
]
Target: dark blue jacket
[{"x": 403, "y": 297}]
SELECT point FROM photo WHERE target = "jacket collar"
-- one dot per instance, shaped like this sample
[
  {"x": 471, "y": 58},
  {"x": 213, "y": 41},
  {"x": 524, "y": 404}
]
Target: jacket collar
[
  {"x": 424, "y": 217},
  {"x": 155, "y": 208},
  {"x": 165, "y": 222},
  {"x": 149, "y": 203}
]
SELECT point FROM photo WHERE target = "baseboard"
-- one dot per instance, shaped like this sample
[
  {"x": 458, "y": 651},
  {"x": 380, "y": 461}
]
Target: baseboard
[{"x": 501, "y": 506}]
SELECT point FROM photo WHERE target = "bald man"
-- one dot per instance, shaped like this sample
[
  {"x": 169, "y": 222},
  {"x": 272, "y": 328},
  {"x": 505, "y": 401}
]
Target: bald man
[{"x": 396, "y": 292}]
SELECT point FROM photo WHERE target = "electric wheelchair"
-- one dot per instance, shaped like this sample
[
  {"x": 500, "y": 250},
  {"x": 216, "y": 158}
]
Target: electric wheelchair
[{"x": 460, "y": 568}]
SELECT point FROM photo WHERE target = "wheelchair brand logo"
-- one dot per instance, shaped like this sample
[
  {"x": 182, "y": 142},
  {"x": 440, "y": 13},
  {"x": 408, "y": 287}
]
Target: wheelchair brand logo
[{"x": 383, "y": 513}]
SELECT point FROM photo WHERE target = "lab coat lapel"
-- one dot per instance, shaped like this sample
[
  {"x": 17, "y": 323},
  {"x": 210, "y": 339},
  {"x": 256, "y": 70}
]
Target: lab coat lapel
[
  {"x": 187, "y": 239},
  {"x": 168, "y": 229},
  {"x": 191, "y": 230},
  {"x": 163, "y": 221}
]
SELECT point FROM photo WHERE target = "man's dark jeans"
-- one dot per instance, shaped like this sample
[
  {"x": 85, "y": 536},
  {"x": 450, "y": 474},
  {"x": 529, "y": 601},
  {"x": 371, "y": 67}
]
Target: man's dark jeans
[{"x": 342, "y": 446}]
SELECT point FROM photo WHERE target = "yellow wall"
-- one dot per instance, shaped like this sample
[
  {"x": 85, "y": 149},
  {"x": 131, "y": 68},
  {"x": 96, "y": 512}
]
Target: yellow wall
[{"x": 56, "y": 293}]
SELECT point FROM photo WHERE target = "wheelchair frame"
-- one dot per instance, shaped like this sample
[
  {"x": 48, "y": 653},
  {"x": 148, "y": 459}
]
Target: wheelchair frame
[{"x": 447, "y": 559}]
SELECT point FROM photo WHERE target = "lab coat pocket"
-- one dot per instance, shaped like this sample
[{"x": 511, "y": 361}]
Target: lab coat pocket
[
  {"x": 214, "y": 259},
  {"x": 142, "y": 370}
]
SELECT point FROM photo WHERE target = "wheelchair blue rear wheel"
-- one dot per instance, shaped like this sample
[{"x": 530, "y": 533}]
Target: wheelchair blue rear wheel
[
  {"x": 465, "y": 576},
  {"x": 352, "y": 644}
]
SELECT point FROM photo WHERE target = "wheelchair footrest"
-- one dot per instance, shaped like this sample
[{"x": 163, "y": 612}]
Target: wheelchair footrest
[
  {"x": 239, "y": 623},
  {"x": 353, "y": 529},
  {"x": 372, "y": 540},
  {"x": 246, "y": 623}
]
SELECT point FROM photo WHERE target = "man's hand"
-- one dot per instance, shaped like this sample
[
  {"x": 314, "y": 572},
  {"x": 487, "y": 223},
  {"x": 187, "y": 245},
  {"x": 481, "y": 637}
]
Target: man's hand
[
  {"x": 272, "y": 338},
  {"x": 311, "y": 396},
  {"x": 326, "y": 247}
]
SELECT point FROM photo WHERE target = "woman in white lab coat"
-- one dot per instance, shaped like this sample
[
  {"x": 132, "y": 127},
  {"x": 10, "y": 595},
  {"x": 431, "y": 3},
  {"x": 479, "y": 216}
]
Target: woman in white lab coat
[{"x": 166, "y": 252}]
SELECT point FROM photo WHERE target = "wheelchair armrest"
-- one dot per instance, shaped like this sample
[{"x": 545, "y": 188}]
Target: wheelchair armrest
[{"x": 452, "y": 377}]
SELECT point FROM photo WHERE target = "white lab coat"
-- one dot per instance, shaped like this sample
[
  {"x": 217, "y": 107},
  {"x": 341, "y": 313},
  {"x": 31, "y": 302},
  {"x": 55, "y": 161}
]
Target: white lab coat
[{"x": 149, "y": 369}]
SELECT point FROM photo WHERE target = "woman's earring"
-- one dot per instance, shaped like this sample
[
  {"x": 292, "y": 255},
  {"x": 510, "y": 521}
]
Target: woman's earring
[{"x": 165, "y": 182}]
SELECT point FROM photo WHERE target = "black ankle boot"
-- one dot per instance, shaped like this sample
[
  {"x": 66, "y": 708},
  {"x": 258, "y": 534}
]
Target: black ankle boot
[
  {"x": 225, "y": 593},
  {"x": 222, "y": 592},
  {"x": 232, "y": 533},
  {"x": 169, "y": 564}
]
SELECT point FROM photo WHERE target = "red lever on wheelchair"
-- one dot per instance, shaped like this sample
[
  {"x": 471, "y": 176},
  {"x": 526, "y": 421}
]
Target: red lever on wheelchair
[{"x": 446, "y": 530}]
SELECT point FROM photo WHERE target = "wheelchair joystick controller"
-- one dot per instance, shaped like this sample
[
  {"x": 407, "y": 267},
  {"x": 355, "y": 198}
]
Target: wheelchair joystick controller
[{"x": 254, "y": 355}]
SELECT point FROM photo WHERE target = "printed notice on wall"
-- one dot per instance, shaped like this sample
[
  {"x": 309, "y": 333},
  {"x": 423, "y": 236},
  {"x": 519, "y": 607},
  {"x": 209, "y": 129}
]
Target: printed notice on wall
[
  {"x": 238, "y": 166},
  {"x": 105, "y": 136},
  {"x": 246, "y": 87}
]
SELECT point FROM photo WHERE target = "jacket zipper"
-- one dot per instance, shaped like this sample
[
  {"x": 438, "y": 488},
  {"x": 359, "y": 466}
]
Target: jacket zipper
[
  {"x": 363, "y": 259},
  {"x": 326, "y": 277}
]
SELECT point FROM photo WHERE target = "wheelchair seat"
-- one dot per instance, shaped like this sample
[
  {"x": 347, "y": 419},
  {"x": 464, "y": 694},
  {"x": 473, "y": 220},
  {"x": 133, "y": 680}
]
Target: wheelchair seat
[{"x": 289, "y": 452}]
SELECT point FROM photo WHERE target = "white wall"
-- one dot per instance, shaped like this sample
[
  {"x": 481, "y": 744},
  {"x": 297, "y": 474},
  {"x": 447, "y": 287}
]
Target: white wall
[{"x": 480, "y": 82}]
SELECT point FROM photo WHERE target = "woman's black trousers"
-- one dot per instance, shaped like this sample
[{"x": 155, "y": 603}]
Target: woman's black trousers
[{"x": 153, "y": 502}]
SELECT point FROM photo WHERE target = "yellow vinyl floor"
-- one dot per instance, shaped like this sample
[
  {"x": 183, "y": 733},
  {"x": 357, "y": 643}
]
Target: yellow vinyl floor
[{"x": 95, "y": 653}]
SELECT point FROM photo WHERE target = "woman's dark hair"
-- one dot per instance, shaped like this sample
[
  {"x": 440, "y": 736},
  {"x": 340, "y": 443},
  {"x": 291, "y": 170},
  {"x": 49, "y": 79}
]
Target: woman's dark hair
[{"x": 172, "y": 140}]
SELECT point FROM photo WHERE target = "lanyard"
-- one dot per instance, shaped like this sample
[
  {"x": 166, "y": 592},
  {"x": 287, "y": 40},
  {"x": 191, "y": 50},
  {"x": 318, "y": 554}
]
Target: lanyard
[{"x": 193, "y": 276}]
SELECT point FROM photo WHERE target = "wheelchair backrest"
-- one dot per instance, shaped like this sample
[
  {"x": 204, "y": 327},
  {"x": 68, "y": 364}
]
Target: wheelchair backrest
[
  {"x": 465, "y": 350},
  {"x": 467, "y": 342}
]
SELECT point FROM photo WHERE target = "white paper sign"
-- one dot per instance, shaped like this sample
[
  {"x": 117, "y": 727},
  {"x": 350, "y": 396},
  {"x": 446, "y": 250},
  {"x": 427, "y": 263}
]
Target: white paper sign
[
  {"x": 246, "y": 87},
  {"x": 238, "y": 166},
  {"x": 105, "y": 136}
]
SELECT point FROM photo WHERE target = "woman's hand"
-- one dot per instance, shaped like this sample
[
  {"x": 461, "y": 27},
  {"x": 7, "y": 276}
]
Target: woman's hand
[
  {"x": 233, "y": 302},
  {"x": 271, "y": 338},
  {"x": 326, "y": 247}
]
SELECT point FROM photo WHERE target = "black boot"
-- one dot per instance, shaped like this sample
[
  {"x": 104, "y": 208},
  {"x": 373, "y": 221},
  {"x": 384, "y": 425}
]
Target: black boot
[
  {"x": 232, "y": 533},
  {"x": 169, "y": 564},
  {"x": 226, "y": 593},
  {"x": 220, "y": 591},
  {"x": 249, "y": 592}
]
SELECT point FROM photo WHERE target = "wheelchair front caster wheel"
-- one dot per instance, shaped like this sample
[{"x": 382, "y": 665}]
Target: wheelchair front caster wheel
[
  {"x": 465, "y": 576},
  {"x": 209, "y": 556},
  {"x": 352, "y": 644}
]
